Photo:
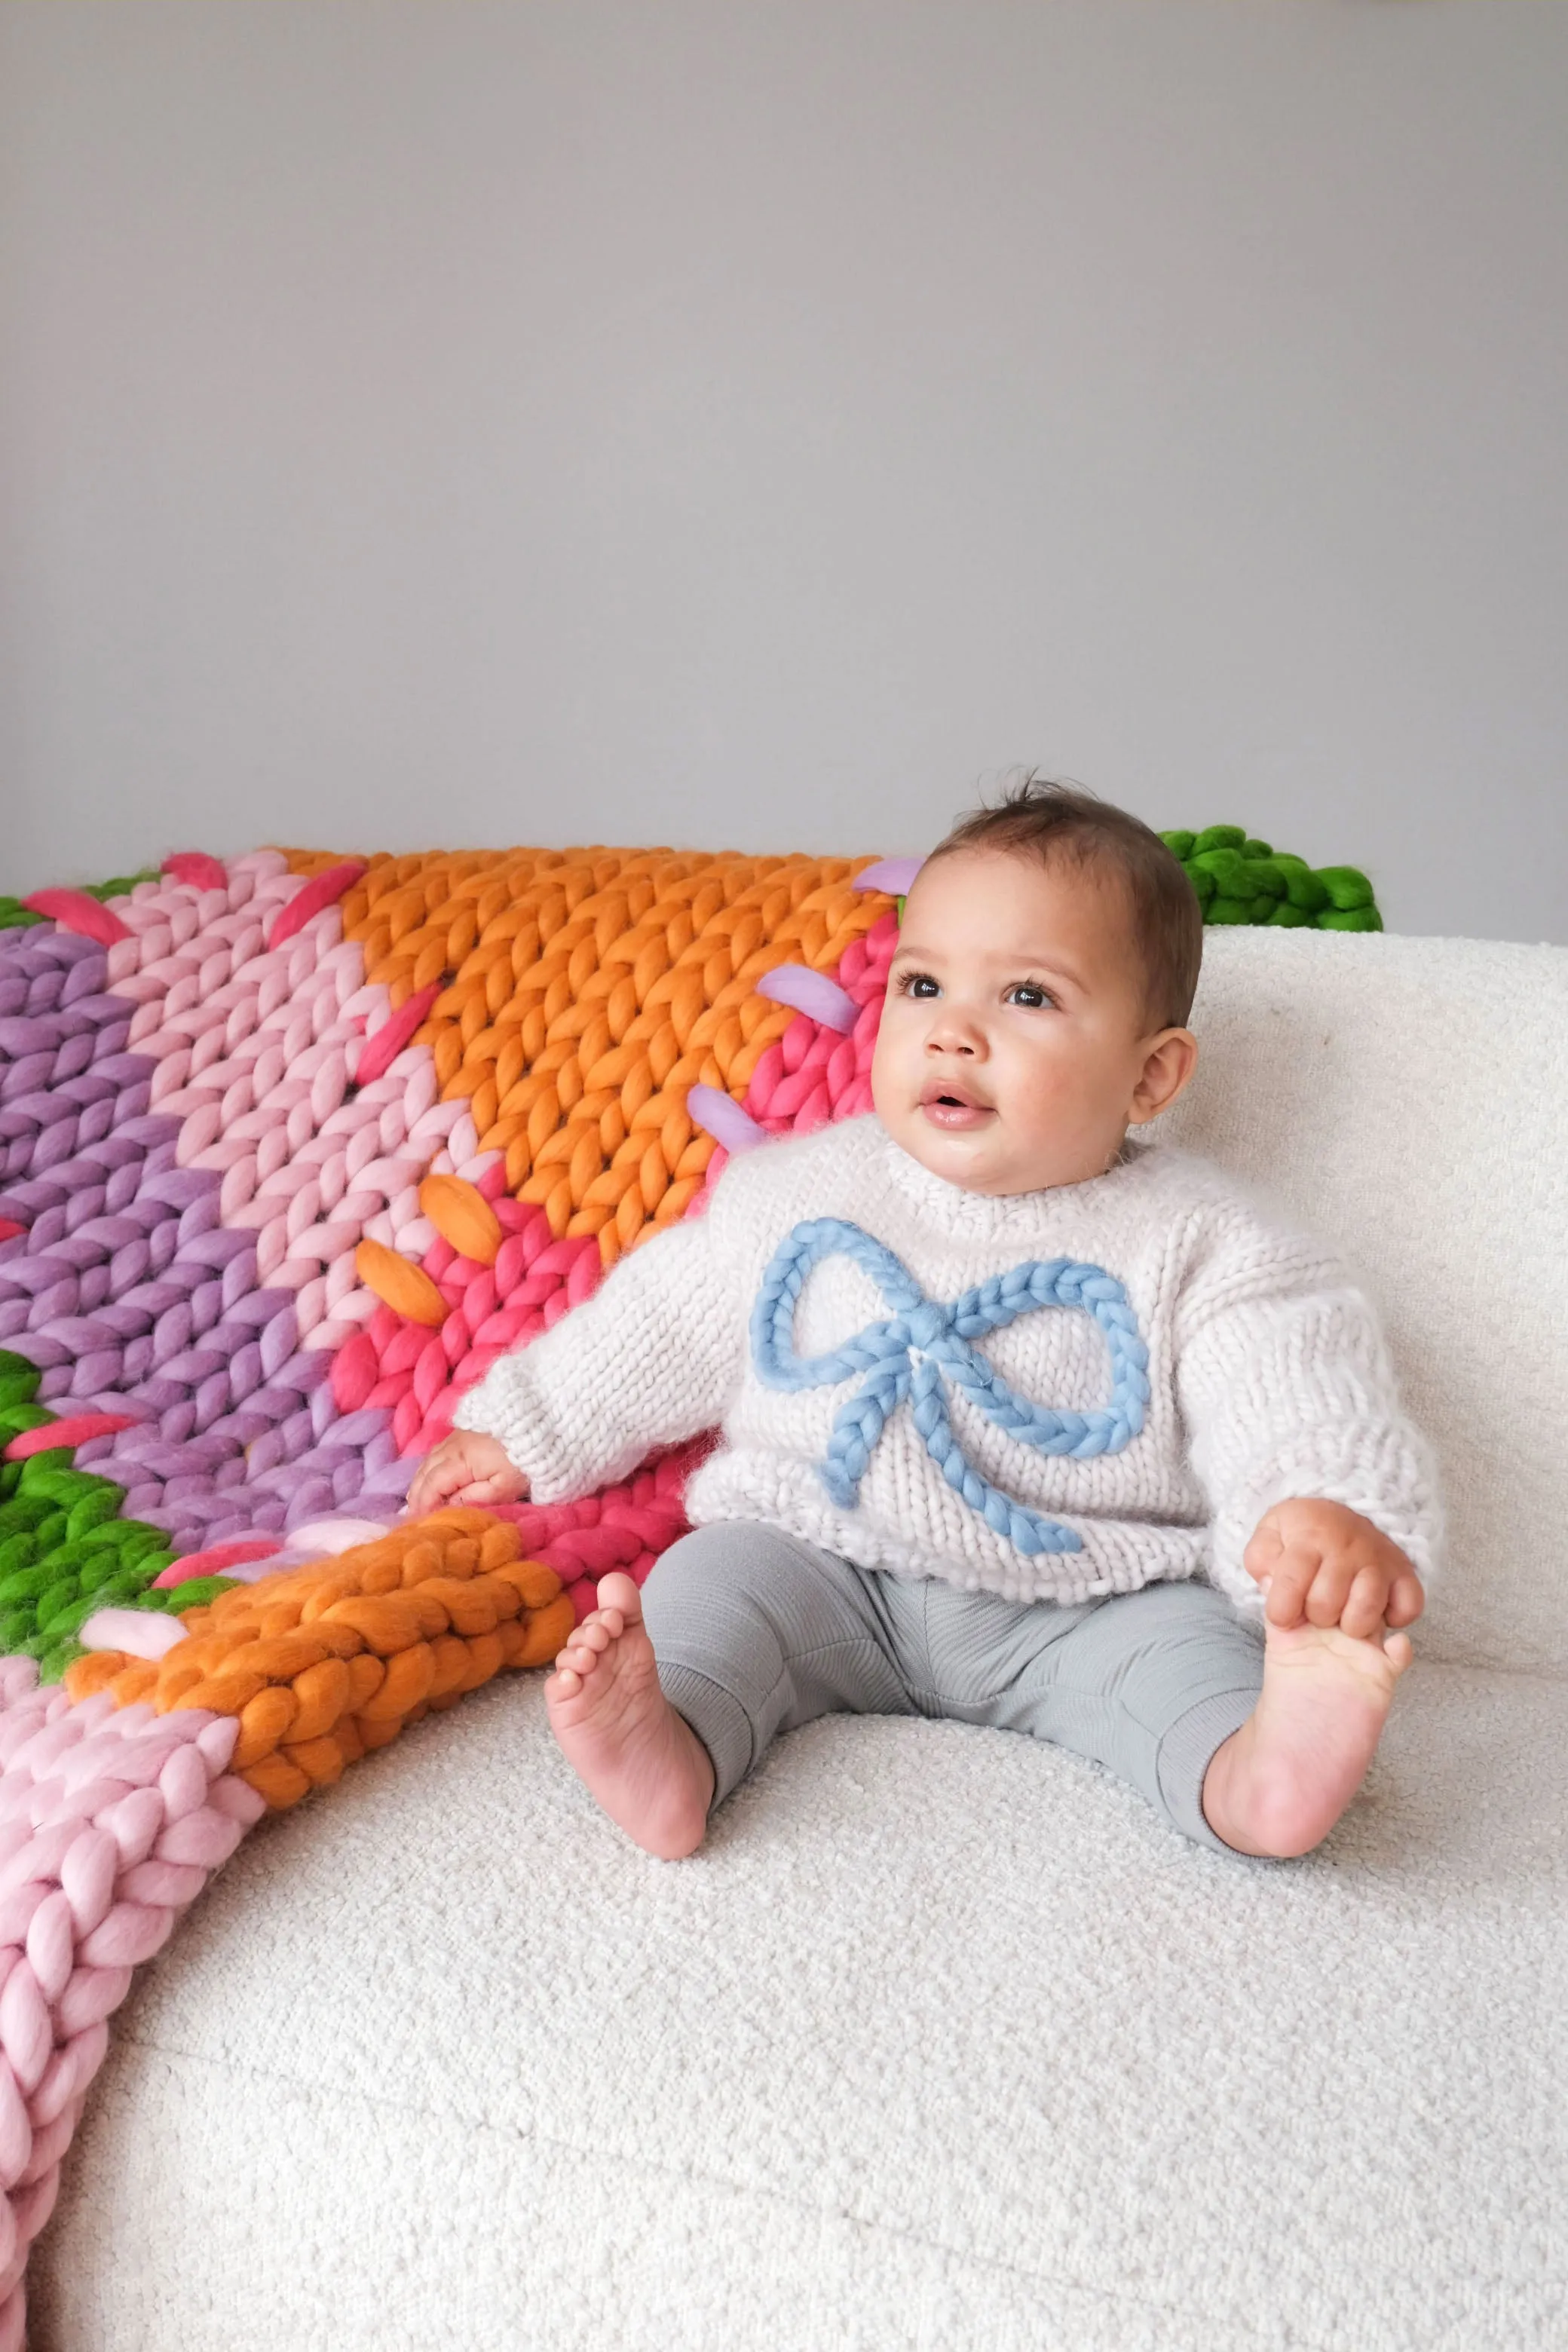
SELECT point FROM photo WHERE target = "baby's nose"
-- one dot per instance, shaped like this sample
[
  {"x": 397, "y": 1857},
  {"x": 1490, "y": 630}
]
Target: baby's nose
[{"x": 955, "y": 1030}]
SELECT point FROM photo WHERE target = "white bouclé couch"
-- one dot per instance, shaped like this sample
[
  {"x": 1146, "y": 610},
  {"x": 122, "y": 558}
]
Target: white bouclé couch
[{"x": 944, "y": 2040}]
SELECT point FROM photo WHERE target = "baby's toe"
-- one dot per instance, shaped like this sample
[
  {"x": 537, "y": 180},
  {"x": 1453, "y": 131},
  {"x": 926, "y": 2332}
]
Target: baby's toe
[{"x": 618, "y": 1590}]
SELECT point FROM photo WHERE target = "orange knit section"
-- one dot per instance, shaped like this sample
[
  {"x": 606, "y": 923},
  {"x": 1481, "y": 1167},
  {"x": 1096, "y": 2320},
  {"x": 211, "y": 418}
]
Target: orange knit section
[
  {"x": 324, "y": 1662},
  {"x": 583, "y": 991}
]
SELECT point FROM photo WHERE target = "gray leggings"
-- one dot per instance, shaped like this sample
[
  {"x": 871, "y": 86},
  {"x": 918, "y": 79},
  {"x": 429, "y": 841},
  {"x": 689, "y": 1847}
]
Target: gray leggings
[{"x": 757, "y": 1632}]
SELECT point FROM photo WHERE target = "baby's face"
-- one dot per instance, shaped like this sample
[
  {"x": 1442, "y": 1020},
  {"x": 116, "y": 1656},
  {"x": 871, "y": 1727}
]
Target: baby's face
[{"x": 1015, "y": 1050}]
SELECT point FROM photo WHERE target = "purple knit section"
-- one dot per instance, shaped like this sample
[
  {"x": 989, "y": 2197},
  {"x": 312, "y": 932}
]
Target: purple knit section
[{"x": 129, "y": 1295}]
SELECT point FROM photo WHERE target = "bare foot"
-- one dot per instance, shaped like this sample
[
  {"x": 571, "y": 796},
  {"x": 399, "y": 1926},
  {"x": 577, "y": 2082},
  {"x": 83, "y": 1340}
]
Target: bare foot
[
  {"x": 640, "y": 1759},
  {"x": 1279, "y": 1785}
]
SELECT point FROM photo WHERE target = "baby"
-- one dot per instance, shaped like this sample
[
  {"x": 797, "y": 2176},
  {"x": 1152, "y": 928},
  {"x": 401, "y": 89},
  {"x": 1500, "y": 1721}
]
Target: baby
[{"x": 1024, "y": 1422}]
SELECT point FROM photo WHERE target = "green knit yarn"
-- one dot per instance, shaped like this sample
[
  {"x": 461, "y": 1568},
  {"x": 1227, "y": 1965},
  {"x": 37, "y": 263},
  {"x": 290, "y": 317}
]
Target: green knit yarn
[
  {"x": 1240, "y": 880},
  {"x": 197, "y": 1590},
  {"x": 64, "y": 1551},
  {"x": 123, "y": 885}
]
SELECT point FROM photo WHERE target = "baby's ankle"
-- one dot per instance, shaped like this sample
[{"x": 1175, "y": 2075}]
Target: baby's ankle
[{"x": 1277, "y": 1786}]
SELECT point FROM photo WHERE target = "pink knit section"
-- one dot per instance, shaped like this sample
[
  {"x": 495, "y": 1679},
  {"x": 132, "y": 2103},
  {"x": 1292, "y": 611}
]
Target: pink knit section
[
  {"x": 624, "y": 1527},
  {"x": 194, "y": 867},
  {"x": 257, "y": 1050},
  {"x": 417, "y": 1372},
  {"x": 818, "y": 1070},
  {"x": 110, "y": 1824},
  {"x": 76, "y": 1429},
  {"x": 78, "y": 911},
  {"x": 323, "y": 890}
]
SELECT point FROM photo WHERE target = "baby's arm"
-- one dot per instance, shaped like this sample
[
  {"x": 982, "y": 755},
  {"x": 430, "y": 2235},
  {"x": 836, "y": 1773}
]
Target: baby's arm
[
  {"x": 653, "y": 1357},
  {"x": 1322, "y": 1493}
]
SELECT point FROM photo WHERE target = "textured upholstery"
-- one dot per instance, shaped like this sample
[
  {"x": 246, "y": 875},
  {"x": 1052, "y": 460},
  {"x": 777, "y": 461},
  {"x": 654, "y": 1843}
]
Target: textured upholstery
[{"x": 943, "y": 2041}]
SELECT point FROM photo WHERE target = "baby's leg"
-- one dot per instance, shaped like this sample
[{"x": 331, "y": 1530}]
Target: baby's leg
[
  {"x": 1254, "y": 1748},
  {"x": 663, "y": 1701},
  {"x": 1148, "y": 1683}
]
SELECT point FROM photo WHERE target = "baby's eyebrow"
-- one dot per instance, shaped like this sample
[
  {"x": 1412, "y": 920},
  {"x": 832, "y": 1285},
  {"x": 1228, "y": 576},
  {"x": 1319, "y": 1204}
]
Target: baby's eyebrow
[{"x": 911, "y": 952}]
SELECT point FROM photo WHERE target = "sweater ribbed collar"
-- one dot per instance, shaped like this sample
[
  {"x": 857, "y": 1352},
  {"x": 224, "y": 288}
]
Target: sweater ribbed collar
[{"x": 974, "y": 1217}]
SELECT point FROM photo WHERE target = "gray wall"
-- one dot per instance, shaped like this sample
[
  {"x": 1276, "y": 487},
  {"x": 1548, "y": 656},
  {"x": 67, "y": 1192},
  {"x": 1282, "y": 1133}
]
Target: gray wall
[{"x": 716, "y": 421}]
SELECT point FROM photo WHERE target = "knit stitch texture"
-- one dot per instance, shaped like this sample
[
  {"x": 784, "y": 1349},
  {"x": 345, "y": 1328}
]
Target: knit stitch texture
[{"x": 1243, "y": 1363}]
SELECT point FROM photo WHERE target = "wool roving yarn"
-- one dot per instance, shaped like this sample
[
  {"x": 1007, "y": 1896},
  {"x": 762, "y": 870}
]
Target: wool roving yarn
[
  {"x": 321, "y": 1663},
  {"x": 110, "y": 1824},
  {"x": 197, "y": 1179},
  {"x": 1239, "y": 880}
]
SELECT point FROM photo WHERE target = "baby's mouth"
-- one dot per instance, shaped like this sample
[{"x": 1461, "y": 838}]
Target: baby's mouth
[{"x": 953, "y": 1108}]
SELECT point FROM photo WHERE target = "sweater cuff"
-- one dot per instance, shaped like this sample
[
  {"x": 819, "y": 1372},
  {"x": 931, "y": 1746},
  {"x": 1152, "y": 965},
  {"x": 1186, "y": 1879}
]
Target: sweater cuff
[
  {"x": 1379, "y": 1474},
  {"x": 506, "y": 1405}
]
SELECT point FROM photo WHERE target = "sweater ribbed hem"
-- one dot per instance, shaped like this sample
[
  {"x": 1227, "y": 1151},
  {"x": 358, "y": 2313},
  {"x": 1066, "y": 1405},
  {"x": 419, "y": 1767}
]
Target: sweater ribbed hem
[{"x": 1116, "y": 1556}]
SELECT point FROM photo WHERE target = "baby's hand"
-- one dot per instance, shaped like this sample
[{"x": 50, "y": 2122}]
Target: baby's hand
[
  {"x": 464, "y": 1468},
  {"x": 1324, "y": 1563}
]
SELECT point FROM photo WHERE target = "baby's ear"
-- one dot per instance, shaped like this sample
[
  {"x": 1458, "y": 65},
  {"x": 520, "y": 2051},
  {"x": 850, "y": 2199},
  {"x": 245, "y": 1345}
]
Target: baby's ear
[{"x": 1169, "y": 1063}]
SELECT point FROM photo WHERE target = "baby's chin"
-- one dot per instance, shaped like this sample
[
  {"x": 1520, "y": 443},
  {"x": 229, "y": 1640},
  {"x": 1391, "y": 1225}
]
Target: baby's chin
[{"x": 986, "y": 1158}]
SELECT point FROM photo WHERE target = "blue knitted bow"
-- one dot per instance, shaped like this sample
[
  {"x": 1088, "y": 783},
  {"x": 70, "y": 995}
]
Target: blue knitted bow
[{"x": 907, "y": 1355}]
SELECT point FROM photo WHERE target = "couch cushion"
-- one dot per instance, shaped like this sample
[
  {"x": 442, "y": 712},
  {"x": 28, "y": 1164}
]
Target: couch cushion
[
  {"x": 943, "y": 2041},
  {"x": 1407, "y": 1097}
]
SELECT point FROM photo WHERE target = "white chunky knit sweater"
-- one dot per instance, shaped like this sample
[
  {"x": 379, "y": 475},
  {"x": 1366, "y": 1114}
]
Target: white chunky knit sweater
[{"x": 1172, "y": 1361}]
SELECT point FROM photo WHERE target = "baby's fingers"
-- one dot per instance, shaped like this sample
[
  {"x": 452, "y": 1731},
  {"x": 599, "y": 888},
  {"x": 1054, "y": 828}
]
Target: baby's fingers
[
  {"x": 500, "y": 1487},
  {"x": 433, "y": 1482},
  {"x": 1261, "y": 1557},
  {"x": 1330, "y": 1591},
  {"x": 1406, "y": 1600},
  {"x": 1365, "y": 1603},
  {"x": 1287, "y": 1585}
]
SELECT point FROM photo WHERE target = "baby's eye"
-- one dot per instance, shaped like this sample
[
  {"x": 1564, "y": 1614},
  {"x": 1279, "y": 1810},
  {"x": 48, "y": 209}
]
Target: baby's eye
[
  {"x": 917, "y": 983},
  {"x": 1030, "y": 995}
]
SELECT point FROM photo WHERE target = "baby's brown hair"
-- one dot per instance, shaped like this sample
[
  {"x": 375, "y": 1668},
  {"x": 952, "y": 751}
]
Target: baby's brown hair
[{"x": 1164, "y": 918}]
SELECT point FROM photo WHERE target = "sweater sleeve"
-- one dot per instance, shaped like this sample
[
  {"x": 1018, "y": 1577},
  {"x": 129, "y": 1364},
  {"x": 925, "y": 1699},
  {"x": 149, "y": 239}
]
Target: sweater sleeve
[
  {"x": 1287, "y": 1390},
  {"x": 653, "y": 1357}
]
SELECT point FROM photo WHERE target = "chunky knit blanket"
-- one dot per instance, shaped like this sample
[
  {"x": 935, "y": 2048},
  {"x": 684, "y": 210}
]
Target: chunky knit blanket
[{"x": 292, "y": 1148}]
